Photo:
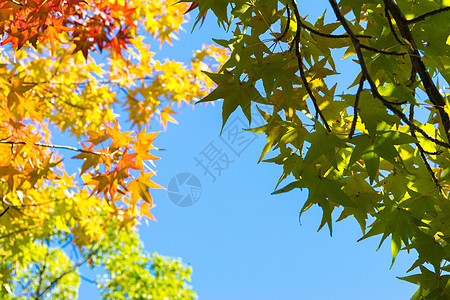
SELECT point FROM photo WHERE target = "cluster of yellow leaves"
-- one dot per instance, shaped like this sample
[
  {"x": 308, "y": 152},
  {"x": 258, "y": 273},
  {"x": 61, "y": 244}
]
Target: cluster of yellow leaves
[
  {"x": 54, "y": 211},
  {"x": 163, "y": 19}
]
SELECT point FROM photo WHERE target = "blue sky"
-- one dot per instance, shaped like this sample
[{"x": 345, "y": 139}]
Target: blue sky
[{"x": 243, "y": 242}]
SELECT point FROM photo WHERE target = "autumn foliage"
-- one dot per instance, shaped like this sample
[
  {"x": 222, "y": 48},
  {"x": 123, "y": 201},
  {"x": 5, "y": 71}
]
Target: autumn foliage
[
  {"x": 376, "y": 150},
  {"x": 84, "y": 69}
]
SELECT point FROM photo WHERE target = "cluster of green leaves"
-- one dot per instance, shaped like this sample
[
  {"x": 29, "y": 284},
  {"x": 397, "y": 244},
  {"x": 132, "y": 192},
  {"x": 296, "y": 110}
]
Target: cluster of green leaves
[{"x": 364, "y": 150}]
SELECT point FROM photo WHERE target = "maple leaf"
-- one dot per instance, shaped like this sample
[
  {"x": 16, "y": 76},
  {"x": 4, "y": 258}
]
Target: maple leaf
[
  {"x": 122, "y": 12},
  {"x": 16, "y": 97},
  {"x": 165, "y": 116},
  {"x": 54, "y": 32},
  {"x": 140, "y": 190},
  {"x": 19, "y": 36},
  {"x": 145, "y": 210},
  {"x": 193, "y": 6},
  {"x": 233, "y": 92},
  {"x": 118, "y": 138},
  {"x": 91, "y": 160},
  {"x": 83, "y": 42},
  {"x": 119, "y": 42},
  {"x": 127, "y": 161},
  {"x": 142, "y": 146}
]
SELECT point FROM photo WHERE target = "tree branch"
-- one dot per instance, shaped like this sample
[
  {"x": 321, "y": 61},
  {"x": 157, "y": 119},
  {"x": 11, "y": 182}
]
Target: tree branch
[
  {"x": 373, "y": 86},
  {"x": 41, "y": 271},
  {"x": 327, "y": 35},
  {"x": 355, "y": 106},
  {"x": 4, "y": 212},
  {"x": 388, "y": 17},
  {"x": 288, "y": 25},
  {"x": 430, "y": 88},
  {"x": 421, "y": 151},
  {"x": 300, "y": 67},
  {"x": 382, "y": 51},
  {"x": 55, "y": 147},
  {"x": 428, "y": 14}
]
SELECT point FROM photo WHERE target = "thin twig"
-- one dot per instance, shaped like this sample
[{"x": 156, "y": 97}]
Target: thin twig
[
  {"x": 382, "y": 51},
  {"x": 4, "y": 212},
  {"x": 288, "y": 25},
  {"x": 355, "y": 107},
  {"x": 41, "y": 275},
  {"x": 388, "y": 17},
  {"x": 422, "y": 151},
  {"x": 428, "y": 14},
  {"x": 296, "y": 41},
  {"x": 55, "y": 147},
  {"x": 331, "y": 36}
]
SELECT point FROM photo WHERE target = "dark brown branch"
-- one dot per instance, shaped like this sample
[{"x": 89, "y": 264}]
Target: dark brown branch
[
  {"x": 288, "y": 25},
  {"x": 412, "y": 79},
  {"x": 432, "y": 153},
  {"x": 430, "y": 88},
  {"x": 382, "y": 51},
  {"x": 327, "y": 35},
  {"x": 373, "y": 86},
  {"x": 355, "y": 106},
  {"x": 428, "y": 14},
  {"x": 4, "y": 212},
  {"x": 388, "y": 17},
  {"x": 55, "y": 147},
  {"x": 421, "y": 150},
  {"x": 296, "y": 41}
]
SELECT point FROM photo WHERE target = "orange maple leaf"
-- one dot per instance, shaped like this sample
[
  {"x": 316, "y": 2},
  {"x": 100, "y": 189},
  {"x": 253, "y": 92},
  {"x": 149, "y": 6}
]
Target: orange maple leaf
[
  {"x": 166, "y": 116},
  {"x": 142, "y": 147},
  {"x": 144, "y": 210},
  {"x": 54, "y": 32},
  {"x": 119, "y": 139}
]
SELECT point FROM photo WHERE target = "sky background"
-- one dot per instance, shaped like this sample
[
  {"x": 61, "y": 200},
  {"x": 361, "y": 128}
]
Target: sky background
[{"x": 241, "y": 241}]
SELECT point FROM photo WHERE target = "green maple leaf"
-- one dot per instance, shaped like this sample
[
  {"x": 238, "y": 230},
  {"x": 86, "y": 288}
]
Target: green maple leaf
[
  {"x": 323, "y": 144},
  {"x": 324, "y": 191},
  {"x": 370, "y": 150},
  {"x": 273, "y": 69},
  {"x": 373, "y": 113},
  {"x": 234, "y": 93}
]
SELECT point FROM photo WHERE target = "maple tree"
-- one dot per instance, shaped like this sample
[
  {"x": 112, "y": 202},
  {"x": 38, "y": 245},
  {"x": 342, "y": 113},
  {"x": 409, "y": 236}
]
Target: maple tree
[
  {"x": 379, "y": 148},
  {"x": 85, "y": 69}
]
